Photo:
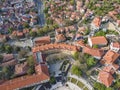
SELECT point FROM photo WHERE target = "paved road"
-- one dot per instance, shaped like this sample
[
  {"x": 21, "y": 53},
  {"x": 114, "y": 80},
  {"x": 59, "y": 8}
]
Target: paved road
[{"x": 40, "y": 8}]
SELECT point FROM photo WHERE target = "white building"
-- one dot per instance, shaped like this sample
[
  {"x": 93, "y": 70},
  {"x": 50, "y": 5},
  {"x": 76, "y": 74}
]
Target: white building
[
  {"x": 115, "y": 46},
  {"x": 99, "y": 40}
]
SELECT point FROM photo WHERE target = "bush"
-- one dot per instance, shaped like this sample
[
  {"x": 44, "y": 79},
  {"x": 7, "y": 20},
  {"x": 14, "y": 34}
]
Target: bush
[
  {"x": 91, "y": 62},
  {"x": 76, "y": 55},
  {"x": 73, "y": 80},
  {"x": 76, "y": 70},
  {"x": 52, "y": 80},
  {"x": 80, "y": 84}
]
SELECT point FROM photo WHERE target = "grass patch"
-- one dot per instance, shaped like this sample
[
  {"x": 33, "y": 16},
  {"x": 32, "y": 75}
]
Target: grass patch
[
  {"x": 68, "y": 78},
  {"x": 64, "y": 64},
  {"x": 80, "y": 84},
  {"x": 73, "y": 80},
  {"x": 103, "y": 33},
  {"x": 85, "y": 88}
]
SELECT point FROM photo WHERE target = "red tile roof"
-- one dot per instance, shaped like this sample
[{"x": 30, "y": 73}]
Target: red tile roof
[
  {"x": 42, "y": 40},
  {"x": 97, "y": 21},
  {"x": 7, "y": 57},
  {"x": 105, "y": 78},
  {"x": 60, "y": 38},
  {"x": 9, "y": 63},
  {"x": 20, "y": 34},
  {"x": 54, "y": 46},
  {"x": 80, "y": 43},
  {"x": 26, "y": 31},
  {"x": 23, "y": 81},
  {"x": 93, "y": 52},
  {"x": 41, "y": 76},
  {"x": 109, "y": 69},
  {"x": 21, "y": 68},
  {"x": 42, "y": 68},
  {"x": 110, "y": 57},
  {"x": 116, "y": 44},
  {"x": 99, "y": 40},
  {"x": 116, "y": 66}
]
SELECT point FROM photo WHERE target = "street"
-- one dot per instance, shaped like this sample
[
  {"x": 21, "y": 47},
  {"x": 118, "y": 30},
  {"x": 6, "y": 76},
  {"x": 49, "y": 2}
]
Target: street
[{"x": 40, "y": 8}]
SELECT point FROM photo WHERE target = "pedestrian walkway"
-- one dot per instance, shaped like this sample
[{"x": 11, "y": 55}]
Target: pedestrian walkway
[{"x": 81, "y": 80}]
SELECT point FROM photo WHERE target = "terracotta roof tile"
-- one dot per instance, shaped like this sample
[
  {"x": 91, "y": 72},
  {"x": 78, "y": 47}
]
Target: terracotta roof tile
[
  {"x": 60, "y": 38},
  {"x": 21, "y": 68},
  {"x": 93, "y": 52},
  {"x": 110, "y": 57},
  {"x": 54, "y": 46},
  {"x": 116, "y": 44},
  {"x": 99, "y": 40},
  {"x": 42, "y": 68},
  {"x": 97, "y": 21},
  {"x": 109, "y": 69},
  {"x": 116, "y": 66},
  {"x": 42, "y": 75},
  {"x": 105, "y": 78},
  {"x": 42, "y": 40},
  {"x": 23, "y": 81},
  {"x": 7, "y": 57}
]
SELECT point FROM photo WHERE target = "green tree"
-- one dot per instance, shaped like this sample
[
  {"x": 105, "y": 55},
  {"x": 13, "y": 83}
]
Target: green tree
[
  {"x": 91, "y": 62},
  {"x": 76, "y": 70},
  {"x": 52, "y": 80},
  {"x": 95, "y": 46},
  {"x": 51, "y": 28},
  {"x": 30, "y": 62},
  {"x": 72, "y": 2},
  {"x": 33, "y": 34},
  {"x": 99, "y": 86},
  {"x": 10, "y": 30},
  {"x": 45, "y": 29},
  {"x": 16, "y": 49},
  {"x": 76, "y": 55},
  {"x": 31, "y": 70},
  {"x": 26, "y": 25},
  {"x": 49, "y": 21},
  {"x": 1, "y": 58},
  {"x": 2, "y": 48},
  {"x": 117, "y": 84},
  {"x": 46, "y": 10},
  {"x": 8, "y": 49},
  {"x": 22, "y": 54},
  {"x": 55, "y": 25},
  {"x": 6, "y": 72}
]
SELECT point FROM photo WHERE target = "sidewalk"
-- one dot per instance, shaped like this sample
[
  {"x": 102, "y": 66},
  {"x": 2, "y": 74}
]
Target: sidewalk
[{"x": 81, "y": 80}]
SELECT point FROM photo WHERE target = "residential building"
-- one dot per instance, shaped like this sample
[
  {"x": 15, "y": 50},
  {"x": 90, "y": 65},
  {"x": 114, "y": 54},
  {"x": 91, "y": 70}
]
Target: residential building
[
  {"x": 39, "y": 58},
  {"x": 110, "y": 57},
  {"x": 60, "y": 46},
  {"x": 26, "y": 81},
  {"x": 42, "y": 68},
  {"x": 8, "y": 60},
  {"x": 41, "y": 40},
  {"x": 60, "y": 38},
  {"x": 21, "y": 69},
  {"x": 96, "y": 23},
  {"x": 98, "y": 40},
  {"x": 115, "y": 46},
  {"x": 105, "y": 75},
  {"x": 97, "y": 53},
  {"x": 105, "y": 78}
]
